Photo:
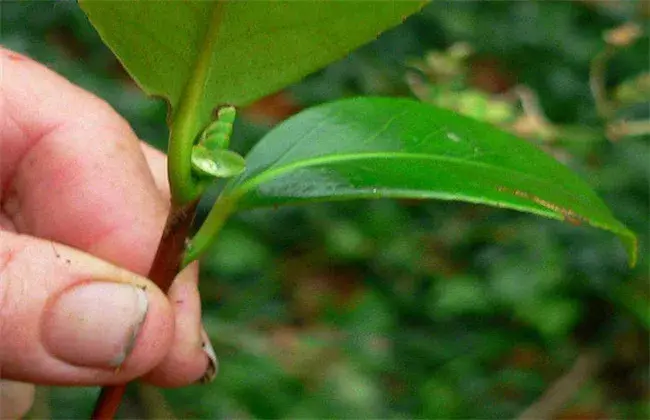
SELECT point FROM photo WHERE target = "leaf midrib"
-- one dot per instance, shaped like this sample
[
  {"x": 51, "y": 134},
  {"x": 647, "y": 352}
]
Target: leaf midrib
[
  {"x": 336, "y": 158},
  {"x": 599, "y": 221}
]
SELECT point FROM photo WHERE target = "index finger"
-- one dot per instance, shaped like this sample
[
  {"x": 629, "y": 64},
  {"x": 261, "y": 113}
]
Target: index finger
[{"x": 72, "y": 170}]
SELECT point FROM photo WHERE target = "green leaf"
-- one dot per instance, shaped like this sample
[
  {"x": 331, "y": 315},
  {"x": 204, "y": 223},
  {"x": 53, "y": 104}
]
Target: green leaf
[
  {"x": 200, "y": 54},
  {"x": 217, "y": 135},
  {"x": 217, "y": 163},
  {"x": 233, "y": 52},
  {"x": 381, "y": 147}
]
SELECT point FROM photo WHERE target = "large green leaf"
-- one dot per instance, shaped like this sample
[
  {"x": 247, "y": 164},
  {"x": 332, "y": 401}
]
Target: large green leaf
[
  {"x": 233, "y": 52},
  {"x": 380, "y": 147}
]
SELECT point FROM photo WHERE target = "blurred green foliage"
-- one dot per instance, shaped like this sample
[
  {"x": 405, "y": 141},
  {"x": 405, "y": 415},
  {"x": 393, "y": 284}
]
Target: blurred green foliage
[{"x": 413, "y": 309}]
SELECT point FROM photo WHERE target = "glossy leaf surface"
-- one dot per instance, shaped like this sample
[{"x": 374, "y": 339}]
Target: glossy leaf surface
[
  {"x": 218, "y": 163},
  {"x": 381, "y": 147}
]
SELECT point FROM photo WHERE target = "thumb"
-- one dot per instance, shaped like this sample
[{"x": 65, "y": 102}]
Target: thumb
[{"x": 69, "y": 318}]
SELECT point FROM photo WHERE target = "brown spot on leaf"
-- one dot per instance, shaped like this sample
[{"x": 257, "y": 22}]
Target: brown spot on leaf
[{"x": 568, "y": 214}]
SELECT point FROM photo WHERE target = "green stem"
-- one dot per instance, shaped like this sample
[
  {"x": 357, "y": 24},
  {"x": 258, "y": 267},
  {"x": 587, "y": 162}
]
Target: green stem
[
  {"x": 208, "y": 231},
  {"x": 184, "y": 187},
  {"x": 187, "y": 120}
]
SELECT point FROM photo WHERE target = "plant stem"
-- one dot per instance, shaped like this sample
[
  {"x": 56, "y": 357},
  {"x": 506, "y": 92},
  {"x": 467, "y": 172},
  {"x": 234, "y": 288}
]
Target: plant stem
[
  {"x": 187, "y": 121},
  {"x": 190, "y": 116},
  {"x": 208, "y": 231},
  {"x": 166, "y": 265}
]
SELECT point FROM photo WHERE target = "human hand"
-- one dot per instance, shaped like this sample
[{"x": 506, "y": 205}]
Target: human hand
[{"x": 83, "y": 201}]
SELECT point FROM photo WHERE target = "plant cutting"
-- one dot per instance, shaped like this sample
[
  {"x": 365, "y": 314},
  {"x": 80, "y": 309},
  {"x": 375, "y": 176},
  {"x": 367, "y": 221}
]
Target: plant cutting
[{"x": 205, "y": 58}]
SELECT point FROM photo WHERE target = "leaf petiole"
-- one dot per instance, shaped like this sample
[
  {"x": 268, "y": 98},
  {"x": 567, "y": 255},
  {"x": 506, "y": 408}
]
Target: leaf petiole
[{"x": 221, "y": 210}]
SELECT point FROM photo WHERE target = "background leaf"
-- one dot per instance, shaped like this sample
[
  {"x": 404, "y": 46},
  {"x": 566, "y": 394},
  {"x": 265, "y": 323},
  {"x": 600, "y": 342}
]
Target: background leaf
[
  {"x": 381, "y": 147},
  {"x": 239, "y": 50}
]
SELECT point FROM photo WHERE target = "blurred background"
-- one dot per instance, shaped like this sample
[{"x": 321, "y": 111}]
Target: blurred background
[{"x": 387, "y": 309}]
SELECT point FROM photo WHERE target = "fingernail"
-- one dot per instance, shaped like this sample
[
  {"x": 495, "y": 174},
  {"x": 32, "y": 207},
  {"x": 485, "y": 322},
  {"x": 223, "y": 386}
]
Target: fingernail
[
  {"x": 213, "y": 363},
  {"x": 95, "y": 324}
]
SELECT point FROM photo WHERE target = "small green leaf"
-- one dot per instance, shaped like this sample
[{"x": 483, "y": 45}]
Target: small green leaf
[
  {"x": 227, "y": 114},
  {"x": 380, "y": 147},
  {"x": 216, "y": 140},
  {"x": 217, "y": 163},
  {"x": 217, "y": 135}
]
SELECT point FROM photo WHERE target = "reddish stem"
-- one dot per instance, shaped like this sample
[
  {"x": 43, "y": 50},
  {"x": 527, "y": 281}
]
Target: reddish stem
[{"x": 164, "y": 268}]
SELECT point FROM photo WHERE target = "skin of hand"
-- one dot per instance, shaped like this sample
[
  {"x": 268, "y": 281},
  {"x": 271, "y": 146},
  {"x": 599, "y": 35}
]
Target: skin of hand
[{"x": 83, "y": 204}]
